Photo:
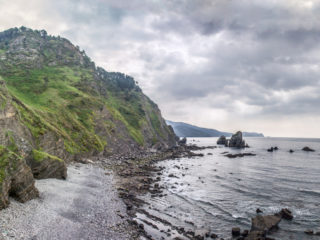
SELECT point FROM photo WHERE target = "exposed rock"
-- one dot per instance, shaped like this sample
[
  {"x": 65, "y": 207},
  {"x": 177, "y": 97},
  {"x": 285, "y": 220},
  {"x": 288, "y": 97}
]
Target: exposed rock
[
  {"x": 44, "y": 165},
  {"x": 270, "y": 149},
  {"x": 286, "y": 214},
  {"x": 265, "y": 223},
  {"x": 307, "y": 149},
  {"x": 235, "y": 231},
  {"x": 237, "y": 141},
  {"x": 291, "y": 151},
  {"x": 16, "y": 178},
  {"x": 259, "y": 210},
  {"x": 183, "y": 141},
  {"x": 309, "y": 232},
  {"x": 245, "y": 233},
  {"x": 239, "y": 155},
  {"x": 222, "y": 140},
  {"x": 213, "y": 235}
]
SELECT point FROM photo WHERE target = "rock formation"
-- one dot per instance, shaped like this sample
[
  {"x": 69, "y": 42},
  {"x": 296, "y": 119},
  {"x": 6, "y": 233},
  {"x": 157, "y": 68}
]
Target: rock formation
[
  {"x": 16, "y": 178},
  {"x": 222, "y": 140},
  {"x": 236, "y": 140}
]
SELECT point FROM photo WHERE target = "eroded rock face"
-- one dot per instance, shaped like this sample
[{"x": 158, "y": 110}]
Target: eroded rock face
[
  {"x": 237, "y": 141},
  {"x": 44, "y": 165},
  {"x": 16, "y": 178}
]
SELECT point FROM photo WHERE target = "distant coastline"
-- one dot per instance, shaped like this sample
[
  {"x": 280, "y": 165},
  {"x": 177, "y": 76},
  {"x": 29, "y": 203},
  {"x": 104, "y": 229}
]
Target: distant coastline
[{"x": 182, "y": 129}]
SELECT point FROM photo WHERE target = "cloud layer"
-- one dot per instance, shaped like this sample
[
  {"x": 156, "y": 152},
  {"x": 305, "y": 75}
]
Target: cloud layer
[{"x": 247, "y": 64}]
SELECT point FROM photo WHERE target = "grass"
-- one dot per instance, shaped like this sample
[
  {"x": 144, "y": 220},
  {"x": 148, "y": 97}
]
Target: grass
[{"x": 39, "y": 156}]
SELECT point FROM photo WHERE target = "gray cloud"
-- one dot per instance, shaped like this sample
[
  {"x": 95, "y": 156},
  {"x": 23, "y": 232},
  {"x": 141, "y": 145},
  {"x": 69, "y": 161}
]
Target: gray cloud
[{"x": 202, "y": 61}]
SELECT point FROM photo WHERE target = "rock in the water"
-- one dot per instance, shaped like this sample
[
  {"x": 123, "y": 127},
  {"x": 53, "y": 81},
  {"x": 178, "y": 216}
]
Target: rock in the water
[
  {"x": 183, "y": 141},
  {"x": 259, "y": 210},
  {"x": 291, "y": 151},
  {"x": 309, "y": 232},
  {"x": 237, "y": 141},
  {"x": 239, "y": 155},
  {"x": 16, "y": 178},
  {"x": 222, "y": 140},
  {"x": 235, "y": 231},
  {"x": 270, "y": 149},
  {"x": 307, "y": 149},
  {"x": 44, "y": 165},
  {"x": 265, "y": 223},
  {"x": 286, "y": 214}
]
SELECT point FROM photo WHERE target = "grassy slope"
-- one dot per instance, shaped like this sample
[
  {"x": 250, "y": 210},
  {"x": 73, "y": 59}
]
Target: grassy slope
[{"x": 62, "y": 98}]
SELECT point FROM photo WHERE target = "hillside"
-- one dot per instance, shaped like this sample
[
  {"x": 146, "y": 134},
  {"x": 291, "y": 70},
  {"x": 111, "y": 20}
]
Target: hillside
[
  {"x": 57, "y": 106},
  {"x": 187, "y": 130}
]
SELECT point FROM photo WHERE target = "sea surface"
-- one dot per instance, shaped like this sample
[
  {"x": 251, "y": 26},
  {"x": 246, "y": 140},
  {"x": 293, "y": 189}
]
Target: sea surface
[{"x": 217, "y": 193}]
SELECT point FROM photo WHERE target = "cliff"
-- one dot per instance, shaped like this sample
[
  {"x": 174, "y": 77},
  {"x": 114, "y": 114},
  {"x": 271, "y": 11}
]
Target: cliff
[{"x": 57, "y": 106}]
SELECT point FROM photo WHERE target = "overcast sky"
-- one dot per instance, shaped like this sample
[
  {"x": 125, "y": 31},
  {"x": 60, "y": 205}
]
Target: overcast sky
[{"x": 243, "y": 64}]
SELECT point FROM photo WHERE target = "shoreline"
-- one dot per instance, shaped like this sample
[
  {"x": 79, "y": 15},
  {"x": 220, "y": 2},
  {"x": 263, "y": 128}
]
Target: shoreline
[{"x": 84, "y": 206}]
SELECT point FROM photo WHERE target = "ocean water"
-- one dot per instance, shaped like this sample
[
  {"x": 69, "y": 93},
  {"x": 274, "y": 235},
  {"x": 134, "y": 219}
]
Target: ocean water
[{"x": 217, "y": 193}]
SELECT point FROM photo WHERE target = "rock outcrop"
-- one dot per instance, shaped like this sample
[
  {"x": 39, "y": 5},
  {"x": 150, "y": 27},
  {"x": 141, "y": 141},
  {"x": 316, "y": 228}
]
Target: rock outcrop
[
  {"x": 236, "y": 140},
  {"x": 16, "y": 178},
  {"x": 44, "y": 165},
  {"x": 307, "y": 149},
  {"x": 222, "y": 140}
]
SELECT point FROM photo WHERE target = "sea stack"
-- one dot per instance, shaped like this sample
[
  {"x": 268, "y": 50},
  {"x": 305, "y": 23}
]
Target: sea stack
[{"x": 237, "y": 141}]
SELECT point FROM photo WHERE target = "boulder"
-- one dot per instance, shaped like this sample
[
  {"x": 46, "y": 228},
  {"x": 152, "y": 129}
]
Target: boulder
[
  {"x": 235, "y": 231},
  {"x": 222, "y": 140},
  {"x": 237, "y": 141},
  {"x": 291, "y": 151},
  {"x": 307, "y": 149},
  {"x": 265, "y": 223},
  {"x": 286, "y": 214}
]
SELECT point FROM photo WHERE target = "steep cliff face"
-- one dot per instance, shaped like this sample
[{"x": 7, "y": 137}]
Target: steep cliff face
[{"x": 56, "y": 105}]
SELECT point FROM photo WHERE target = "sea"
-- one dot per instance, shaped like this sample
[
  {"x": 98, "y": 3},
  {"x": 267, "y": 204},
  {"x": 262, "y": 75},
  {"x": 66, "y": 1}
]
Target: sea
[{"x": 215, "y": 193}]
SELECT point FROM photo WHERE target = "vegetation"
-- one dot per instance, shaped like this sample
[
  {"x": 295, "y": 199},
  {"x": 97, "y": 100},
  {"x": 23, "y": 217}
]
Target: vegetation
[
  {"x": 56, "y": 88},
  {"x": 39, "y": 156}
]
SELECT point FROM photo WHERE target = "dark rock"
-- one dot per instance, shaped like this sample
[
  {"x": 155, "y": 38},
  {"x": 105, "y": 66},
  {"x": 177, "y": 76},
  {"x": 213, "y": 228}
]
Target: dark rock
[
  {"x": 309, "y": 232},
  {"x": 239, "y": 155},
  {"x": 245, "y": 233},
  {"x": 235, "y": 231},
  {"x": 237, "y": 141},
  {"x": 275, "y": 148},
  {"x": 183, "y": 141},
  {"x": 259, "y": 211},
  {"x": 307, "y": 149},
  {"x": 286, "y": 214},
  {"x": 222, "y": 140},
  {"x": 291, "y": 151},
  {"x": 270, "y": 149},
  {"x": 213, "y": 235},
  {"x": 317, "y": 233}
]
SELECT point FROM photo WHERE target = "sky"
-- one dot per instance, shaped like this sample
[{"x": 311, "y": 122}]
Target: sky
[{"x": 230, "y": 65}]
